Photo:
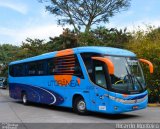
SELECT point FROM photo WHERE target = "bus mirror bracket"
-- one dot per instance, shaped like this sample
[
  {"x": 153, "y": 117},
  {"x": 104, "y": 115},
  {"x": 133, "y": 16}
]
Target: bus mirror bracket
[
  {"x": 108, "y": 62},
  {"x": 149, "y": 63}
]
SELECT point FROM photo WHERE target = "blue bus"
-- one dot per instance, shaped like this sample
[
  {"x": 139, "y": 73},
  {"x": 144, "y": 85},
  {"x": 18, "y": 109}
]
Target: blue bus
[{"x": 99, "y": 79}]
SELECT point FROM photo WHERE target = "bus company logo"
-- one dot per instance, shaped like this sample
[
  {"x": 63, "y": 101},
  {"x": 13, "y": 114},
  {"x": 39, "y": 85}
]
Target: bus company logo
[{"x": 64, "y": 82}]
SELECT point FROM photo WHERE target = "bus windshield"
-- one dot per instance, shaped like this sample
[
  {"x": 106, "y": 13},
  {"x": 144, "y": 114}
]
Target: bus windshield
[{"x": 128, "y": 76}]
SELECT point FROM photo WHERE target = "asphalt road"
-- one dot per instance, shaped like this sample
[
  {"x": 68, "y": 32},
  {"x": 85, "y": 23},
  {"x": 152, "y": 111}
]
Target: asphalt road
[{"x": 13, "y": 111}]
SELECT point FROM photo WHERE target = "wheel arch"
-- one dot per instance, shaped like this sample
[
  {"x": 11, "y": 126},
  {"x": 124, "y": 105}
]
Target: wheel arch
[
  {"x": 76, "y": 96},
  {"x": 22, "y": 92}
]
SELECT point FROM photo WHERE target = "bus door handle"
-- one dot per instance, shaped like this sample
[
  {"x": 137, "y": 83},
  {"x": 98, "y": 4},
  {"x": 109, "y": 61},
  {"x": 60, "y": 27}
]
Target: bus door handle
[{"x": 101, "y": 97}]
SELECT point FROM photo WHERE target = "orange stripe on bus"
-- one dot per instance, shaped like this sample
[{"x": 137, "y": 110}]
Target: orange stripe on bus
[
  {"x": 64, "y": 52},
  {"x": 66, "y": 65},
  {"x": 66, "y": 59},
  {"x": 60, "y": 63},
  {"x": 79, "y": 80},
  {"x": 67, "y": 56},
  {"x": 67, "y": 68},
  {"x": 63, "y": 78},
  {"x": 68, "y": 73},
  {"x": 62, "y": 70},
  {"x": 67, "y": 78},
  {"x": 124, "y": 95}
]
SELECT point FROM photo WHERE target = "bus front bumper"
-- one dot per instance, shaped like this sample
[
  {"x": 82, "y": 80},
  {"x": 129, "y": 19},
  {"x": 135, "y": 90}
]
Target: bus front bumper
[{"x": 118, "y": 107}]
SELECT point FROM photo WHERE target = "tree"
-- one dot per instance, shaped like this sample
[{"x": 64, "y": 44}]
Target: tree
[
  {"x": 33, "y": 47},
  {"x": 7, "y": 54},
  {"x": 112, "y": 37},
  {"x": 85, "y": 13}
]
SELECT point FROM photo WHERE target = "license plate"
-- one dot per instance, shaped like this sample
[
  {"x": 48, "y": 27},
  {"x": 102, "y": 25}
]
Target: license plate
[{"x": 135, "y": 107}]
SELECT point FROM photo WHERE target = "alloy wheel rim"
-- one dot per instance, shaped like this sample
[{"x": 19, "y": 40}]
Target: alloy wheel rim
[
  {"x": 81, "y": 106},
  {"x": 24, "y": 99}
]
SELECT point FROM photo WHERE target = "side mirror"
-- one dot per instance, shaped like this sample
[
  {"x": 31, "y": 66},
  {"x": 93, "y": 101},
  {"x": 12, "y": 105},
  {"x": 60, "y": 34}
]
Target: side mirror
[
  {"x": 149, "y": 63},
  {"x": 108, "y": 62}
]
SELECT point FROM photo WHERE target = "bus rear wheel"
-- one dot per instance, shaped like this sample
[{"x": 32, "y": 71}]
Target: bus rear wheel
[
  {"x": 24, "y": 98},
  {"x": 80, "y": 106}
]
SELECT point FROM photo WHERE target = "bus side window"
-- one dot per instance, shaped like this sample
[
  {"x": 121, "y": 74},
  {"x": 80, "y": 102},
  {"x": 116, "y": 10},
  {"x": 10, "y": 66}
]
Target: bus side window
[
  {"x": 32, "y": 68},
  {"x": 11, "y": 70},
  {"x": 99, "y": 74},
  {"x": 41, "y": 69},
  {"x": 17, "y": 70},
  {"x": 89, "y": 63},
  {"x": 96, "y": 69},
  {"x": 78, "y": 71},
  {"x": 60, "y": 66},
  {"x": 36, "y": 68},
  {"x": 51, "y": 67}
]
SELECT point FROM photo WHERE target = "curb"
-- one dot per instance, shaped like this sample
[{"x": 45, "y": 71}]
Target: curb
[{"x": 153, "y": 105}]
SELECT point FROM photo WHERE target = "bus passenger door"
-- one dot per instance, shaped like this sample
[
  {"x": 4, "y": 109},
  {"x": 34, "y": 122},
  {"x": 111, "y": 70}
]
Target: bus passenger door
[{"x": 100, "y": 88}]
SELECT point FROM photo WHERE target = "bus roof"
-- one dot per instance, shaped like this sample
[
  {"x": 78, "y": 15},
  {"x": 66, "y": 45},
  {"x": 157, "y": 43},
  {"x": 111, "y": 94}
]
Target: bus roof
[{"x": 101, "y": 50}]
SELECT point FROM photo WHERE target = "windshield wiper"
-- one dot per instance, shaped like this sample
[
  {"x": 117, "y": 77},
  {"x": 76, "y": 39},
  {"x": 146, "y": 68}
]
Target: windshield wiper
[
  {"x": 130, "y": 79},
  {"x": 134, "y": 79},
  {"x": 138, "y": 82}
]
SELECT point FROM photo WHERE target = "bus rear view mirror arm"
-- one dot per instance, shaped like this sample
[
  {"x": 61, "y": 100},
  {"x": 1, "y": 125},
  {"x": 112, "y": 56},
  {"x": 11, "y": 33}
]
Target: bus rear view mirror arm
[
  {"x": 108, "y": 62},
  {"x": 149, "y": 63}
]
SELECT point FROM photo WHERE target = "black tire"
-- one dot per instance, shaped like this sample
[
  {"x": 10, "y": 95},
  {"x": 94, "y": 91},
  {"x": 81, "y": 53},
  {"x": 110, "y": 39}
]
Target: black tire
[
  {"x": 24, "y": 98},
  {"x": 79, "y": 106}
]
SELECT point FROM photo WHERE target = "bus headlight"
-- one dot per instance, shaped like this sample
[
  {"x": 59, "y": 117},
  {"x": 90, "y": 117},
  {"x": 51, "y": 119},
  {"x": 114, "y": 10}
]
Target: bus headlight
[
  {"x": 120, "y": 100},
  {"x": 116, "y": 99},
  {"x": 112, "y": 98}
]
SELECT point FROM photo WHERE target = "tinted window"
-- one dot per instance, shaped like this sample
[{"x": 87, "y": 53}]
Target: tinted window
[
  {"x": 89, "y": 63},
  {"x": 99, "y": 73},
  {"x": 41, "y": 69},
  {"x": 17, "y": 70},
  {"x": 11, "y": 70},
  {"x": 51, "y": 67},
  {"x": 96, "y": 69},
  {"x": 65, "y": 65},
  {"x": 32, "y": 68},
  {"x": 36, "y": 68}
]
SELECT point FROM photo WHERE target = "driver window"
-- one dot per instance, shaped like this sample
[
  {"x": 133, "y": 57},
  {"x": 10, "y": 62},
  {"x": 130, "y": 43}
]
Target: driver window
[{"x": 100, "y": 77}]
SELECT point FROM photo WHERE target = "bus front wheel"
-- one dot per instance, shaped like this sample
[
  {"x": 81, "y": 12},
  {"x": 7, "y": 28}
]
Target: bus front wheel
[
  {"x": 24, "y": 98},
  {"x": 80, "y": 106}
]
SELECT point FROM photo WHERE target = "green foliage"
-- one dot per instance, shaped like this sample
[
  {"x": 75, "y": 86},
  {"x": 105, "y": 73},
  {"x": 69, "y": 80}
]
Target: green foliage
[
  {"x": 88, "y": 39},
  {"x": 7, "y": 53},
  {"x": 68, "y": 39},
  {"x": 99, "y": 37},
  {"x": 85, "y": 13},
  {"x": 32, "y": 47},
  {"x": 112, "y": 37}
]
